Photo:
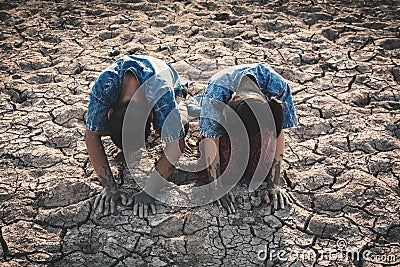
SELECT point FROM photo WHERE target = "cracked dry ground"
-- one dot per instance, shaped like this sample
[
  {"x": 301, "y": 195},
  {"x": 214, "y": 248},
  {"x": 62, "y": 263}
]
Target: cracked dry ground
[{"x": 342, "y": 164}]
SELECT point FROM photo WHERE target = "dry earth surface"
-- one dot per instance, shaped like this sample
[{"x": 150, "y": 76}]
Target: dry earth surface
[{"x": 342, "y": 60}]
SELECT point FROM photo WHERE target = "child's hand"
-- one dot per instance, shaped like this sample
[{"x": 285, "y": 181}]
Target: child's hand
[
  {"x": 142, "y": 203},
  {"x": 227, "y": 202},
  {"x": 115, "y": 152},
  {"x": 187, "y": 152},
  {"x": 277, "y": 197},
  {"x": 107, "y": 200}
]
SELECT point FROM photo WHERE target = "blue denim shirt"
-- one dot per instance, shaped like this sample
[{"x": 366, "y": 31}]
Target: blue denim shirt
[
  {"x": 160, "y": 83},
  {"x": 221, "y": 86}
]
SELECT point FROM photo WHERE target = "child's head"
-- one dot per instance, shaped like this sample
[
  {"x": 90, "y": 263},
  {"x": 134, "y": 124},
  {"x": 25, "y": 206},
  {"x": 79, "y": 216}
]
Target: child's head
[
  {"x": 116, "y": 120},
  {"x": 240, "y": 104},
  {"x": 250, "y": 100}
]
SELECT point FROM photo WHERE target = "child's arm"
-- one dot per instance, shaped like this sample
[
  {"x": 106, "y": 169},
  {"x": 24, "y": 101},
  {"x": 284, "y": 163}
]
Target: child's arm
[
  {"x": 274, "y": 196},
  {"x": 144, "y": 199},
  {"x": 211, "y": 151},
  {"x": 107, "y": 200}
]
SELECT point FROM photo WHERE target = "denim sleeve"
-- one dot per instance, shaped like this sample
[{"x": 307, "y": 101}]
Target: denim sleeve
[
  {"x": 103, "y": 96},
  {"x": 194, "y": 105},
  {"x": 178, "y": 86},
  {"x": 289, "y": 112},
  {"x": 212, "y": 105},
  {"x": 96, "y": 118},
  {"x": 167, "y": 120}
]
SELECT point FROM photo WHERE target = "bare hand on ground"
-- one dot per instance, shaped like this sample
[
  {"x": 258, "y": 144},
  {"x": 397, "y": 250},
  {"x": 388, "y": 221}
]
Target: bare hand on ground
[
  {"x": 227, "y": 202},
  {"x": 107, "y": 200},
  {"x": 187, "y": 152},
  {"x": 142, "y": 203},
  {"x": 115, "y": 152},
  {"x": 277, "y": 197}
]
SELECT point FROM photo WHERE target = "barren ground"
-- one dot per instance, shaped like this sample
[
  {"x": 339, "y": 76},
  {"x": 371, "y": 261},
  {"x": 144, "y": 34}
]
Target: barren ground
[{"x": 342, "y": 164}]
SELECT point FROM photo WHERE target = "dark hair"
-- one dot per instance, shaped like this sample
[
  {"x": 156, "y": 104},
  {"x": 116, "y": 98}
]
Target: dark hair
[
  {"x": 116, "y": 121},
  {"x": 241, "y": 106}
]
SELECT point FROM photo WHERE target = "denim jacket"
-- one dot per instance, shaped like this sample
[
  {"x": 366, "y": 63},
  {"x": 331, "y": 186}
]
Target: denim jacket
[
  {"x": 160, "y": 83},
  {"x": 222, "y": 85}
]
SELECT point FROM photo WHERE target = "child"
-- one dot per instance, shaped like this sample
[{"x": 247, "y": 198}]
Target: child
[
  {"x": 238, "y": 87},
  {"x": 149, "y": 85}
]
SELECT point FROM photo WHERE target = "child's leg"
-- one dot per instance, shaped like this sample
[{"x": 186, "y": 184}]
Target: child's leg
[
  {"x": 229, "y": 156},
  {"x": 255, "y": 152},
  {"x": 224, "y": 152}
]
